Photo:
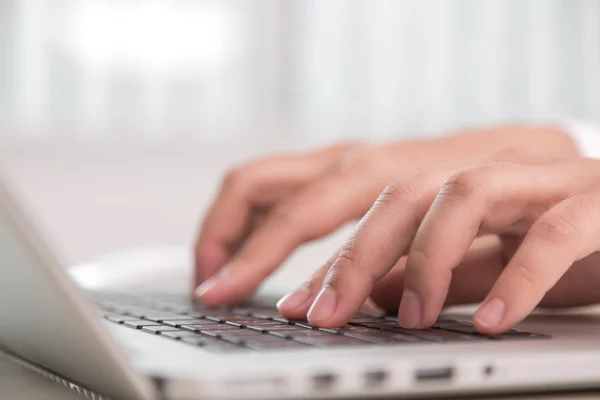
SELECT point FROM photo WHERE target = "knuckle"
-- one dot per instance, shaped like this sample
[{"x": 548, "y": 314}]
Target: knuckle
[
  {"x": 235, "y": 178},
  {"x": 523, "y": 277},
  {"x": 556, "y": 229},
  {"x": 402, "y": 191},
  {"x": 344, "y": 264},
  {"x": 287, "y": 218},
  {"x": 347, "y": 255},
  {"x": 418, "y": 261},
  {"x": 360, "y": 161},
  {"x": 466, "y": 184},
  {"x": 510, "y": 153}
]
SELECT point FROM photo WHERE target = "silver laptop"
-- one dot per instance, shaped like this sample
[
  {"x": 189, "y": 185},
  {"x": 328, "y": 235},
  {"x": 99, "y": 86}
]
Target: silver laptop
[{"x": 157, "y": 345}]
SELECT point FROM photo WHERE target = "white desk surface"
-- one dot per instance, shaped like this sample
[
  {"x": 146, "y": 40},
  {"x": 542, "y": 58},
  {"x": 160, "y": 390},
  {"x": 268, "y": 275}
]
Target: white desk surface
[{"x": 95, "y": 201}]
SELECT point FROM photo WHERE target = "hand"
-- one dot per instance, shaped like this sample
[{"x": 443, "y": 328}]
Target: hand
[
  {"x": 538, "y": 220},
  {"x": 269, "y": 207}
]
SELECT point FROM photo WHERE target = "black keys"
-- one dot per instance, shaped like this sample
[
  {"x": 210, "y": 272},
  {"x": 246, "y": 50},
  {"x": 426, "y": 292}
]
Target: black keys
[
  {"x": 209, "y": 327},
  {"x": 513, "y": 334},
  {"x": 180, "y": 322},
  {"x": 140, "y": 323},
  {"x": 119, "y": 319},
  {"x": 169, "y": 317},
  {"x": 212, "y": 344},
  {"x": 157, "y": 330},
  {"x": 227, "y": 329},
  {"x": 180, "y": 335}
]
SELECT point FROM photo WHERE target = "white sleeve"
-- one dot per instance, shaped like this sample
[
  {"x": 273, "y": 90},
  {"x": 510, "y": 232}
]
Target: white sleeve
[{"x": 586, "y": 135}]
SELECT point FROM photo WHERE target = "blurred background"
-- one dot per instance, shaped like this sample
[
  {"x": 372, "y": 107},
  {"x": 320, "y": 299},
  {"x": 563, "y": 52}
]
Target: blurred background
[
  {"x": 118, "y": 117},
  {"x": 220, "y": 71}
]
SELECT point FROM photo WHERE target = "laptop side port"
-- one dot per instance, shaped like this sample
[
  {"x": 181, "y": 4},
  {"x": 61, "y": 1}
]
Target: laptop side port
[
  {"x": 323, "y": 381},
  {"x": 434, "y": 374},
  {"x": 375, "y": 377}
]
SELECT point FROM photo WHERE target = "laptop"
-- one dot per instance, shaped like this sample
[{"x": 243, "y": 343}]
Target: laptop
[{"x": 139, "y": 345}]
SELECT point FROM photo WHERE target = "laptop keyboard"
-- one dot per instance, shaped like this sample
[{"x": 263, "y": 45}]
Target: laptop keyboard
[{"x": 234, "y": 329}]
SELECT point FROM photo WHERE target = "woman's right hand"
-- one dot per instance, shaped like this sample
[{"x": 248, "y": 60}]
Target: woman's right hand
[{"x": 267, "y": 208}]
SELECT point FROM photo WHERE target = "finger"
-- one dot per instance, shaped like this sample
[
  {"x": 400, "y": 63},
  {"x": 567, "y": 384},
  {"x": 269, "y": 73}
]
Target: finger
[
  {"x": 296, "y": 304},
  {"x": 491, "y": 197},
  {"x": 377, "y": 244},
  {"x": 578, "y": 286},
  {"x": 261, "y": 183},
  {"x": 566, "y": 233},
  {"x": 471, "y": 281},
  {"x": 312, "y": 213}
]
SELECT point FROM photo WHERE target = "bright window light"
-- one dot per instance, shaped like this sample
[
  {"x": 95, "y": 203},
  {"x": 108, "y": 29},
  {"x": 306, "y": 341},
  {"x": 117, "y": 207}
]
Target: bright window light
[{"x": 152, "y": 36}]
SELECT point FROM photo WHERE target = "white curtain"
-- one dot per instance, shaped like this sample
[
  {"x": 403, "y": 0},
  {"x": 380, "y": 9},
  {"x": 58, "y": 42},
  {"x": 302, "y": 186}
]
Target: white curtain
[{"x": 321, "y": 69}]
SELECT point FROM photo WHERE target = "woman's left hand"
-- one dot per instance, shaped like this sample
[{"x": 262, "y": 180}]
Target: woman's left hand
[{"x": 511, "y": 230}]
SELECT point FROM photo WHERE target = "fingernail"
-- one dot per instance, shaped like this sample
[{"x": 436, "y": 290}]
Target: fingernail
[
  {"x": 324, "y": 305},
  {"x": 371, "y": 309},
  {"x": 490, "y": 314},
  {"x": 207, "y": 286},
  {"x": 294, "y": 299},
  {"x": 409, "y": 315}
]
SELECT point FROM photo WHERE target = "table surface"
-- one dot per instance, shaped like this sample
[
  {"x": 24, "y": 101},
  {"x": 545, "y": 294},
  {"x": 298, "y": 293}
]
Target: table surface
[{"x": 112, "y": 193}]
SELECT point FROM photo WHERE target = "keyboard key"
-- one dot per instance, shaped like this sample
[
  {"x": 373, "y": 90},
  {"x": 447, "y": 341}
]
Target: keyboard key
[
  {"x": 330, "y": 330},
  {"x": 380, "y": 324},
  {"x": 435, "y": 335},
  {"x": 179, "y": 335},
  {"x": 266, "y": 314},
  {"x": 140, "y": 324},
  {"x": 364, "y": 320},
  {"x": 201, "y": 340},
  {"x": 169, "y": 317},
  {"x": 311, "y": 333},
  {"x": 242, "y": 334},
  {"x": 512, "y": 335},
  {"x": 304, "y": 325},
  {"x": 275, "y": 327},
  {"x": 231, "y": 333},
  {"x": 210, "y": 327},
  {"x": 281, "y": 327},
  {"x": 367, "y": 337},
  {"x": 240, "y": 324},
  {"x": 352, "y": 328},
  {"x": 180, "y": 322},
  {"x": 121, "y": 318},
  {"x": 227, "y": 329},
  {"x": 470, "y": 329},
  {"x": 157, "y": 330},
  {"x": 450, "y": 324},
  {"x": 267, "y": 323}
]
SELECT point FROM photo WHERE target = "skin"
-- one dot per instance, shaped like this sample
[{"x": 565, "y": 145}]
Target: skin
[
  {"x": 267, "y": 208},
  {"x": 537, "y": 221}
]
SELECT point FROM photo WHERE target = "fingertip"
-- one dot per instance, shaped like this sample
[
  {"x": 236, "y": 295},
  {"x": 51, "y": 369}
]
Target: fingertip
[
  {"x": 489, "y": 317},
  {"x": 371, "y": 309},
  {"x": 410, "y": 310},
  {"x": 294, "y": 300},
  {"x": 323, "y": 307},
  {"x": 216, "y": 290}
]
